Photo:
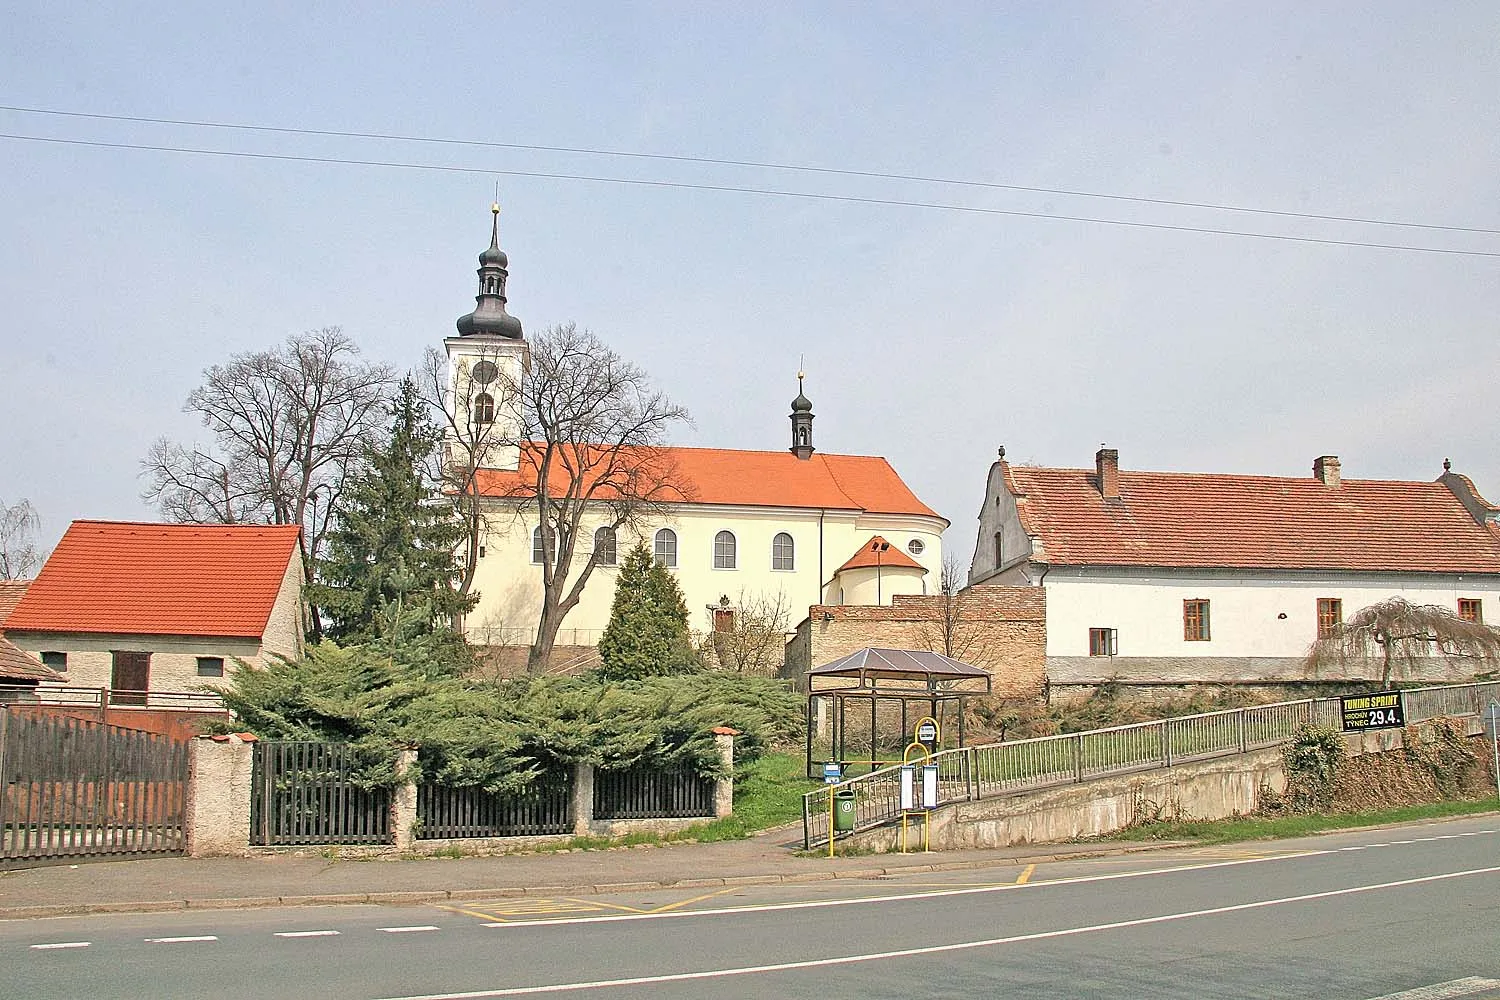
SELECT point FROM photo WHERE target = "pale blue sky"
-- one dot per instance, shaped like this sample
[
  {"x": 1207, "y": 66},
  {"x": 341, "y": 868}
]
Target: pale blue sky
[{"x": 931, "y": 336}]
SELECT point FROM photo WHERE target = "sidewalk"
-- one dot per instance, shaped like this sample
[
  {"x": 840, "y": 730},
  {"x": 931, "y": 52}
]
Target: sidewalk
[{"x": 286, "y": 880}]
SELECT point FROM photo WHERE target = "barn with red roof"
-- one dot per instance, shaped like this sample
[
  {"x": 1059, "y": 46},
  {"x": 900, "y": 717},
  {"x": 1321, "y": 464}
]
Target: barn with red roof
[{"x": 142, "y": 608}]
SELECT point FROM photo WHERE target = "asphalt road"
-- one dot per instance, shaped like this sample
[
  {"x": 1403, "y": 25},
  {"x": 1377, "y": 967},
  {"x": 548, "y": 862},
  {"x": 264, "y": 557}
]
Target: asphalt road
[{"x": 1356, "y": 916}]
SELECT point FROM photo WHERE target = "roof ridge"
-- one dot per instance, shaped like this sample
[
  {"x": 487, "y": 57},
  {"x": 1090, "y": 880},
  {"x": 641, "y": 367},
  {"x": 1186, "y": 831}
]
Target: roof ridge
[{"x": 1264, "y": 477}]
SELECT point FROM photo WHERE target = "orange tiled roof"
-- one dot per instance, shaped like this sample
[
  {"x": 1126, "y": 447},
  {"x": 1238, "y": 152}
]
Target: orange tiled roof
[
  {"x": 864, "y": 557},
  {"x": 753, "y": 479},
  {"x": 10, "y": 595},
  {"x": 158, "y": 579},
  {"x": 1251, "y": 522}
]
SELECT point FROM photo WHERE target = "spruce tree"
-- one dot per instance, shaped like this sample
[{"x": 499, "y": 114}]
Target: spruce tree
[
  {"x": 647, "y": 634},
  {"x": 390, "y": 570}
]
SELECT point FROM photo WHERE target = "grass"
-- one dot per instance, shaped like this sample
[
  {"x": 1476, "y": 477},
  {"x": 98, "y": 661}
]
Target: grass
[{"x": 1229, "y": 831}]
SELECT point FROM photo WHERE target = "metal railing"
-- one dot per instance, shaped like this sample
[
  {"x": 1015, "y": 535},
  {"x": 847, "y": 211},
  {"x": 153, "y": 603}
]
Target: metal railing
[
  {"x": 970, "y": 773},
  {"x": 68, "y": 696}
]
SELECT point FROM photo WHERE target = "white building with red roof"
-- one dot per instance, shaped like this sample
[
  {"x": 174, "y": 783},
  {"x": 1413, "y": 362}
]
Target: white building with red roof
[
  {"x": 795, "y": 525},
  {"x": 1167, "y": 577},
  {"x": 141, "y": 608}
]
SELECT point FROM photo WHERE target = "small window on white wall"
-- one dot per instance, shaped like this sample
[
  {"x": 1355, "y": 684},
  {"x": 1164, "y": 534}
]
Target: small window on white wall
[
  {"x": 783, "y": 552},
  {"x": 536, "y": 544},
  {"x": 916, "y": 546},
  {"x": 665, "y": 548},
  {"x": 725, "y": 554},
  {"x": 605, "y": 546}
]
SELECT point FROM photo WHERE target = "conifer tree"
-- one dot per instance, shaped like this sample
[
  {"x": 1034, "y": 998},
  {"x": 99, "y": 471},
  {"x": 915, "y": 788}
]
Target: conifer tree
[
  {"x": 647, "y": 633},
  {"x": 391, "y": 570}
]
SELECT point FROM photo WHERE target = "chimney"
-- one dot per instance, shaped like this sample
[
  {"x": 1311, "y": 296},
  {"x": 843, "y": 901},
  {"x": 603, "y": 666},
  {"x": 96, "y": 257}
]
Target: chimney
[
  {"x": 1107, "y": 464},
  {"x": 1326, "y": 470}
]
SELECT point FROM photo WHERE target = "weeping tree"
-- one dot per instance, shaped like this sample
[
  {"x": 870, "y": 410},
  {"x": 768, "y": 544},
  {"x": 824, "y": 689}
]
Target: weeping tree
[{"x": 1400, "y": 635}]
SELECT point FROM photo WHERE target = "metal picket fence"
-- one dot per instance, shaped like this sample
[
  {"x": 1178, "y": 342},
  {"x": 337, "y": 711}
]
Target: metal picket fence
[
  {"x": 649, "y": 793},
  {"x": 305, "y": 793},
  {"x": 970, "y": 773},
  {"x": 452, "y": 813}
]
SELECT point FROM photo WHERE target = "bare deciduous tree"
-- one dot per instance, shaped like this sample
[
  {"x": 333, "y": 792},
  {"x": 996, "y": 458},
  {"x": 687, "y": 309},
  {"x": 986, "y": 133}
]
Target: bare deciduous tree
[
  {"x": 1399, "y": 635},
  {"x": 591, "y": 429},
  {"x": 19, "y": 553},
  {"x": 288, "y": 425},
  {"x": 749, "y": 636},
  {"x": 956, "y": 630}
]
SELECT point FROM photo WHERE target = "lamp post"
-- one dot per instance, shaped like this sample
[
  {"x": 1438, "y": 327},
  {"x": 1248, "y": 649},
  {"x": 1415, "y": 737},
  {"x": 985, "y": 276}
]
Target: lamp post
[{"x": 878, "y": 546}]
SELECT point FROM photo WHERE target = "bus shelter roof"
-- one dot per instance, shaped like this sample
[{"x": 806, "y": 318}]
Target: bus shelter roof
[{"x": 873, "y": 664}]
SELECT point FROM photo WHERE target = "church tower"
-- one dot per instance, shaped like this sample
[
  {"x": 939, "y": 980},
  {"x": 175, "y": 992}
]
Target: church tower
[
  {"x": 802, "y": 418},
  {"x": 486, "y": 363}
]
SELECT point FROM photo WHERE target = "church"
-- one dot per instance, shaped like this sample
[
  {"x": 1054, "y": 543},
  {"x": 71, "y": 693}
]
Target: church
[{"x": 794, "y": 527}]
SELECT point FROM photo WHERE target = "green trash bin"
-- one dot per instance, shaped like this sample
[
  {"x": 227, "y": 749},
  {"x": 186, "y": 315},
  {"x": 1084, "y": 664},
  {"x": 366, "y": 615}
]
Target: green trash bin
[{"x": 843, "y": 810}]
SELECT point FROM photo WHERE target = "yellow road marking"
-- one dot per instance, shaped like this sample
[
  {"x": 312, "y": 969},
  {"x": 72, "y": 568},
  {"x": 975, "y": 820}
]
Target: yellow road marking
[
  {"x": 468, "y": 913},
  {"x": 1025, "y": 875},
  {"x": 695, "y": 899},
  {"x": 612, "y": 906}
]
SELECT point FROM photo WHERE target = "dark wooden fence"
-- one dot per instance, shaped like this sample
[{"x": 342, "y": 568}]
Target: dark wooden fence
[
  {"x": 648, "y": 793},
  {"x": 304, "y": 793},
  {"x": 445, "y": 813},
  {"x": 75, "y": 789}
]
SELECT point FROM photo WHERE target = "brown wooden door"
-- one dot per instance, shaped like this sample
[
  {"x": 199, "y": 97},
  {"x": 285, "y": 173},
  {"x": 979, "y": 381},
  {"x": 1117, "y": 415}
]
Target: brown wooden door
[{"x": 129, "y": 678}]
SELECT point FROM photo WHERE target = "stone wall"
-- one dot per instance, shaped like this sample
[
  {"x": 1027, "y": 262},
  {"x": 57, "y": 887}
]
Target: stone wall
[{"x": 1002, "y": 629}]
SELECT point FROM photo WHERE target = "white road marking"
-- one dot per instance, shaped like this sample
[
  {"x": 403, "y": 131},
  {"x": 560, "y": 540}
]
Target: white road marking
[
  {"x": 303, "y": 934},
  {"x": 1442, "y": 991},
  {"x": 408, "y": 930},
  {"x": 182, "y": 940},
  {"x": 58, "y": 946},
  {"x": 941, "y": 948}
]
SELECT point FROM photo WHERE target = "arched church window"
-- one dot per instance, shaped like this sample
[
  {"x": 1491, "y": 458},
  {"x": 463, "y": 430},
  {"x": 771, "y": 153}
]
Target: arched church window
[
  {"x": 724, "y": 550},
  {"x": 536, "y": 544},
  {"x": 802, "y": 436},
  {"x": 484, "y": 408},
  {"x": 783, "y": 552},
  {"x": 605, "y": 546},
  {"x": 665, "y": 548}
]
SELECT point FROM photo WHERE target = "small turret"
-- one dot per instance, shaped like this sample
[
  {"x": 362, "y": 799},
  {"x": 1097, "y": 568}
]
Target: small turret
[
  {"x": 802, "y": 418},
  {"x": 489, "y": 317}
]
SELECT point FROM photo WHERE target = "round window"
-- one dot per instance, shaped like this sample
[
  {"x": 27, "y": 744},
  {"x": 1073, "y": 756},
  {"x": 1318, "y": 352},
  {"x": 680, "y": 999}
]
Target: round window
[
  {"x": 916, "y": 547},
  {"x": 485, "y": 372}
]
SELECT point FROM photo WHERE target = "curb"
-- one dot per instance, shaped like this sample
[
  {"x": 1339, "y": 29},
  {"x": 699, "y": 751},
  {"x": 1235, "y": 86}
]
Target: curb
[{"x": 418, "y": 897}]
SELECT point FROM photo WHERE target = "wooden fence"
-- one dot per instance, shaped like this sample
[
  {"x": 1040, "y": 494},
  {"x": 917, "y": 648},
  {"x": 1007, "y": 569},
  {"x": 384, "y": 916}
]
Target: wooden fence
[{"x": 72, "y": 788}]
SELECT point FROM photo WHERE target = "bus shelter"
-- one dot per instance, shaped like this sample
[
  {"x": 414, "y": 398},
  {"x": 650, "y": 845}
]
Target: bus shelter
[{"x": 861, "y": 707}]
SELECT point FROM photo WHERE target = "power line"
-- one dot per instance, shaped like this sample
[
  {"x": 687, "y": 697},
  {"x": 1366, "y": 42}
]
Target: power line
[
  {"x": 727, "y": 188},
  {"x": 757, "y": 164}
]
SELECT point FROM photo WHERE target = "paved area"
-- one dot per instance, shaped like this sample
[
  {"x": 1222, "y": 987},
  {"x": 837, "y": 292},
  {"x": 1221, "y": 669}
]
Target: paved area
[{"x": 288, "y": 879}]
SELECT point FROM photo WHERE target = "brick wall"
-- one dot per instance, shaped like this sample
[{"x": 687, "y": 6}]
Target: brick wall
[{"x": 1002, "y": 629}]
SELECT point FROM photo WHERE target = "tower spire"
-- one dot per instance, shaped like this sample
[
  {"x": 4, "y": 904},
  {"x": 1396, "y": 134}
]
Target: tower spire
[
  {"x": 489, "y": 316},
  {"x": 802, "y": 418}
]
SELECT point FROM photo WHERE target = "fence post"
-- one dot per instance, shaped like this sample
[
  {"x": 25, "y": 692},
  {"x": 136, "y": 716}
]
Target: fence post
[
  {"x": 216, "y": 805},
  {"x": 1166, "y": 744},
  {"x": 583, "y": 799},
  {"x": 404, "y": 802},
  {"x": 971, "y": 765},
  {"x": 1243, "y": 744},
  {"x": 1078, "y": 757},
  {"x": 724, "y": 786}
]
